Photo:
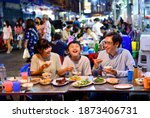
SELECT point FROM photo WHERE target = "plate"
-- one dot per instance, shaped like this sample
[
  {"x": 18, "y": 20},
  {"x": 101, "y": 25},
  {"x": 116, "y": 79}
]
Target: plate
[
  {"x": 12, "y": 79},
  {"x": 35, "y": 80},
  {"x": 82, "y": 83},
  {"x": 75, "y": 78},
  {"x": 27, "y": 85},
  {"x": 45, "y": 81},
  {"x": 101, "y": 82},
  {"x": 22, "y": 81},
  {"x": 57, "y": 84},
  {"x": 112, "y": 80},
  {"x": 123, "y": 86}
]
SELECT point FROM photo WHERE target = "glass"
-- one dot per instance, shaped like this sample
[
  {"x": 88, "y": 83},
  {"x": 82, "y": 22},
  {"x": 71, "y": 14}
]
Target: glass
[
  {"x": 130, "y": 75},
  {"x": 16, "y": 86},
  {"x": 147, "y": 82},
  {"x": 7, "y": 86},
  {"x": 108, "y": 43}
]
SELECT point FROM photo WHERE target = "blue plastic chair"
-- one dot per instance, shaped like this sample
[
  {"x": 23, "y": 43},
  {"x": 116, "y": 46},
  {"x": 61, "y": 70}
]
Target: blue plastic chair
[{"x": 25, "y": 68}]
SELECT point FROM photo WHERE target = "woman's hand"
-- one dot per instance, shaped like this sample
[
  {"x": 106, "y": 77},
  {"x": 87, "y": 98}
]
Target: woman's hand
[{"x": 45, "y": 65}]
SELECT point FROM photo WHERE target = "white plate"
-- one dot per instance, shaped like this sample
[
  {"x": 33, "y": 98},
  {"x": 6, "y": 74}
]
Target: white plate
[
  {"x": 56, "y": 84},
  {"x": 123, "y": 86},
  {"x": 75, "y": 84},
  {"x": 27, "y": 85},
  {"x": 22, "y": 81},
  {"x": 103, "y": 82},
  {"x": 12, "y": 79}
]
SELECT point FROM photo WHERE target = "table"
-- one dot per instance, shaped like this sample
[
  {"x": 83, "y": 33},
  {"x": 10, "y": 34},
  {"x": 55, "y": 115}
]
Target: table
[{"x": 50, "y": 89}]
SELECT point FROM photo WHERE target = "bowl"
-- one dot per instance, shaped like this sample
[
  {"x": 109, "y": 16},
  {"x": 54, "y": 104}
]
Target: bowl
[
  {"x": 139, "y": 81},
  {"x": 27, "y": 85},
  {"x": 108, "y": 67},
  {"x": 45, "y": 81},
  {"x": 46, "y": 75}
]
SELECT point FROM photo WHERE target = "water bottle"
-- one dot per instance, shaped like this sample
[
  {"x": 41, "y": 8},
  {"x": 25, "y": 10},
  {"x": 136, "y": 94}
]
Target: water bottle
[{"x": 2, "y": 72}]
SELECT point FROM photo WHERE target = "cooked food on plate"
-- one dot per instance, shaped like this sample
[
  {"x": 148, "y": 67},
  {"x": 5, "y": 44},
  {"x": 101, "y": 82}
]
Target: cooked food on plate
[
  {"x": 61, "y": 80},
  {"x": 99, "y": 80},
  {"x": 82, "y": 83},
  {"x": 45, "y": 81},
  {"x": 35, "y": 80},
  {"x": 46, "y": 75},
  {"x": 75, "y": 78},
  {"x": 113, "y": 80}
]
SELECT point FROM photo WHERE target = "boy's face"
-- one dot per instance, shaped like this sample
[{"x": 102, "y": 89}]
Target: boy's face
[{"x": 74, "y": 50}]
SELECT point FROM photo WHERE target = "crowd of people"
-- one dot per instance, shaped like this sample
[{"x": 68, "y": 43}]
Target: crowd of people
[{"x": 60, "y": 53}]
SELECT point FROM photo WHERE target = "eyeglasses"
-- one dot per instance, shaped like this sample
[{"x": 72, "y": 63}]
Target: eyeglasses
[{"x": 108, "y": 43}]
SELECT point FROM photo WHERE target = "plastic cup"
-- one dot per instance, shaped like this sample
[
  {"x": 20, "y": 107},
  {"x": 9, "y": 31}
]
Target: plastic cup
[
  {"x": 130, "y": 75},
  {"x": 147, "y": 82},
  {"x": 24, "y": 75},
  {"x": 7, "y": 86},
  {"x": 16, "y": 86}
]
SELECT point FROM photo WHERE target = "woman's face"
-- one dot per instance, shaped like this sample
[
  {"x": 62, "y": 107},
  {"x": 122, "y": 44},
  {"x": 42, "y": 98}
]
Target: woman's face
[
  {"x": 74, "y": 50},
  {"x": 46, "y": 52}
]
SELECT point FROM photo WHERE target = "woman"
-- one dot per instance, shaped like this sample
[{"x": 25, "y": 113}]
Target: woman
[
  {"x": 75, "y": 62},
  {"x": 39, "y": 26},
  {"x": 90, "y": 35},
  {"x": 19, "y": 34},
  {"x": 44, "y": 60},
  {"x": 31, "y": 37},
  {"x": 7, "y": 35}
]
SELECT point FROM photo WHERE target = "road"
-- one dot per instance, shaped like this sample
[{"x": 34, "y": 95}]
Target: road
[{"x": 13, "y": 61}]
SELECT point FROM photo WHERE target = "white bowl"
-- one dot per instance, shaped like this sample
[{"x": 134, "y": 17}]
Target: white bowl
[
  {"x": 108, "y": 67},
  {"x": 27, "y": 85}
]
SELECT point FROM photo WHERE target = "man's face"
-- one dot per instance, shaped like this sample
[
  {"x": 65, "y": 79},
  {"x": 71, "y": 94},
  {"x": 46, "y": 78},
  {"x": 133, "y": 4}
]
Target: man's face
[{"x": 109, "y": 45}]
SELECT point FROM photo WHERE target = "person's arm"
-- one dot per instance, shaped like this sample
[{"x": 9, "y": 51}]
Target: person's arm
[
  {"x": 65, "y": 68},
  {"x": 87, "y": 68},
  {"x": 129, "y": 64},
  {"x": 35, "y": 69}
]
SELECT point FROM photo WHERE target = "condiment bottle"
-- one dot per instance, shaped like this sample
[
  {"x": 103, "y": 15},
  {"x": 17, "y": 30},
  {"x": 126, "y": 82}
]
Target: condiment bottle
[{"x": 135, "y": 74}]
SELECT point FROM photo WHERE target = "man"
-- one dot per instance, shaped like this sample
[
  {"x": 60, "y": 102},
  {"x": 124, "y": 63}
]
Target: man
[
  {"x": 66, "y": 33},
  {"x": 119, "y": 61},
  {"x": 96, "y": 27},
  {"x": 118, "y": 58}
]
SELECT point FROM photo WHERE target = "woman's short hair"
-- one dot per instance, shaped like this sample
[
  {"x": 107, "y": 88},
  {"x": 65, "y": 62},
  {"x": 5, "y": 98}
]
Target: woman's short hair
[{"x": 41, "y": 45}]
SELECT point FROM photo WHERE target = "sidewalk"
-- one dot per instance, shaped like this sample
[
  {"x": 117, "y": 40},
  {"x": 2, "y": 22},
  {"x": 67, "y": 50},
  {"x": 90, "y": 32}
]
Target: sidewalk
[{"x": 12, "y": 61}]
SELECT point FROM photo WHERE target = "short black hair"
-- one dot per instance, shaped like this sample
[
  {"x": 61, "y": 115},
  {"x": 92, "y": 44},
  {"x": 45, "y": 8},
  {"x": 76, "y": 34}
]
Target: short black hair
[
  {"x": 74, "y": 42},
  {"x": 41, "y": 45},
  {"x": 57, "y": 36},
  {"x": 116, "y": 37}
]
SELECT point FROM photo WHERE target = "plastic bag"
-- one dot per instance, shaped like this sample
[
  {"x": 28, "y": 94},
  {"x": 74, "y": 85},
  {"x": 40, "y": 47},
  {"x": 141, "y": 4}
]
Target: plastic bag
[{"x": 26, "y": 54}]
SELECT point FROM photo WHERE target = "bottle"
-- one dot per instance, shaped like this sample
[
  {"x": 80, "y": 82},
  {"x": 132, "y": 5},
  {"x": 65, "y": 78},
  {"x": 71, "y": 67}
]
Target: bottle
[
  {"x": 140, "y": 73},
  {"x": 2, "y": 72},
  {"x": 96, "y": 47},
  {"x": 135, "y": 74}
]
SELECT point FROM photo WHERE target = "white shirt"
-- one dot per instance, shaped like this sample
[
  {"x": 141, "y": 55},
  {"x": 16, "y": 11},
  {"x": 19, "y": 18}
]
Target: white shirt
[
  {"x": 7, "y": 32},
  {"x": 96, "y": 28},
  {"x": 83, "y": 65}
]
